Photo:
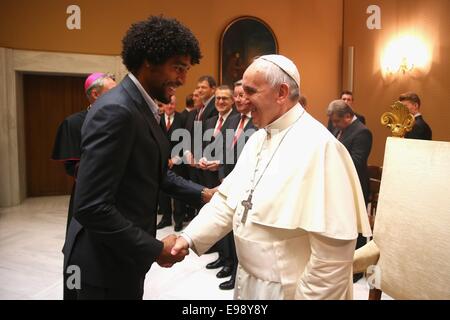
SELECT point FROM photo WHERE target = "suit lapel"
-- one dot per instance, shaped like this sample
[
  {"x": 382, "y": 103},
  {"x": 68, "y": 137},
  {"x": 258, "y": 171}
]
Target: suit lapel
[
  {"x": 176, "y": 123},
  {"x": 210, "y": 107},
  {"x": 349, "y": 131},
  {"x": 155, "y": 129},
  {"x": 249, "y": 125}
]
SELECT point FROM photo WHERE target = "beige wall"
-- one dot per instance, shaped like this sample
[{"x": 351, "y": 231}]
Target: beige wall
[
  {"x": 310, "y": 32},
  {"x": 374, "y": 94}
]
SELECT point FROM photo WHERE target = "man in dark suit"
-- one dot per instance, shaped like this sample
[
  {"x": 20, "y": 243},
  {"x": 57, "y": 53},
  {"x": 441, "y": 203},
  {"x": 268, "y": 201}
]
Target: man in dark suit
[
  {"x": 188, "y": 169},
  {"x": 215, "y": 131},
  {"x": 204, "y": 94},
  {"x": 421, "y": 130},
  {"x": 111, "y": 238},
  {"x": 189, "y": 107},
  {"x": 206, "y": 86},
  {"x": 67, "y": 147},
  {"x": 357, "y": 138},
  {"x": 171, "y": 121},
  {"x": 243, "y": 128},
  {"x": 347, "y": 96},
  {"x": 214, "y": 134}
]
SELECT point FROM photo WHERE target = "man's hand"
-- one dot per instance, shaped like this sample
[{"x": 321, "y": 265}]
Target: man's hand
[
  {"x": 213, "y": 165},
  {"x": 202, "y": 163},
  {"x": 170, "y": 164},
  {"x": 190, "y": 158},
  {"x": 205, "y": 164},
  {"x": 181, "y": 245},
  {"x": 207, "y": 194},
  {"x": 166, "y": 259}
]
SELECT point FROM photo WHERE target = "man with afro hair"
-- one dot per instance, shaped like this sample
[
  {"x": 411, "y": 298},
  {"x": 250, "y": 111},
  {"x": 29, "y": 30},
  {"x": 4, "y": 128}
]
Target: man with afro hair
[{"x": 112, "y": 237}]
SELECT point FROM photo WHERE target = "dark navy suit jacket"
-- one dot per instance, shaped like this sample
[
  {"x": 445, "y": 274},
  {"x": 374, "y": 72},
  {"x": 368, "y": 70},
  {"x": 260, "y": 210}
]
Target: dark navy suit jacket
[{"x": 122, "y": 169}]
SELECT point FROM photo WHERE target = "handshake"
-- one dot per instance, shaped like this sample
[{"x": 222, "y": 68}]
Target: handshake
[{"x": 174, "y": 250}]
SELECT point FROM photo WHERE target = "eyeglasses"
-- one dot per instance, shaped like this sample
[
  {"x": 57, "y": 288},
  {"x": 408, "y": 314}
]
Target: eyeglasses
[{"x": 222, "y": 98}]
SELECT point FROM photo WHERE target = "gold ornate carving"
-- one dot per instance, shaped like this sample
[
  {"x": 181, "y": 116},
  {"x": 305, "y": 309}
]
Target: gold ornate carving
[{"x": 399, "y": 120}]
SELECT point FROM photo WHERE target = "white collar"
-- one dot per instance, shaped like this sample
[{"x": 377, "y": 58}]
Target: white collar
[
  {"x": 248, "y": 115},
  {"x": 286, "y": 120},
  {"x": 152, "y": 105},
  {"x": 225, "y": 116}
]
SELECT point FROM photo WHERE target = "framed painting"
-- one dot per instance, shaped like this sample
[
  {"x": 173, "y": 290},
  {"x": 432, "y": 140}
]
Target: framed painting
[{"x": 242, "y": 40}]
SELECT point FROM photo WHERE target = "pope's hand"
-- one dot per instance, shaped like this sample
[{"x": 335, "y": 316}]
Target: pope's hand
[
  {"x": 181, "y": 245},
  {"x": 166, "y": 259}
]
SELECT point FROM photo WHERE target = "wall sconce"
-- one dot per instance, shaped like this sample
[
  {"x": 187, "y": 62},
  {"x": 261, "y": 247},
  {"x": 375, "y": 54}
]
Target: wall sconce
[
  {"x": 404, "y": 55},
  {"x": 405, "y": 65}
]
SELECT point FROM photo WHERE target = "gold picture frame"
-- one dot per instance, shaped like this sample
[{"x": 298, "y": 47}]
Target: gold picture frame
[{"x": 242, "y": 40}]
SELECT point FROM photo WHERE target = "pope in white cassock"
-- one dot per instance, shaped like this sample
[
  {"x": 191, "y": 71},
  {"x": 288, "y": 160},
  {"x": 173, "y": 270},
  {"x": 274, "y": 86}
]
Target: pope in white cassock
[{"x": 293, "y": 201}]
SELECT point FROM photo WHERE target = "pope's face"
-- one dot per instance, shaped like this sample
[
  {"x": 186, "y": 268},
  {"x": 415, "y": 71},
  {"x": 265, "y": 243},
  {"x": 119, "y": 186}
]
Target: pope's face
[{"x": 260, "y": 97}]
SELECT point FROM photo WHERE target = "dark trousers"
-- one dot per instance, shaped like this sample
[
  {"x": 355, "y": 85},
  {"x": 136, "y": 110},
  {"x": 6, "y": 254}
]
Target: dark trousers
[
  {"x": 360, "y": 241},
  {"x": 182, "y": 209},
  {"x": 229, "y": 252},
  {"x": 68, "y": 294},
  {"x": 165, "y": 207},
  {"x": 134, "y": 291}
]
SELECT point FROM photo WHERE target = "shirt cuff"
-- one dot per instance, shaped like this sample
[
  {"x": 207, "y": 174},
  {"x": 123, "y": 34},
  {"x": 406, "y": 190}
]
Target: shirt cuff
[
  {"x": 188, "y": 240},
  {"x": 177, "y": 160}
]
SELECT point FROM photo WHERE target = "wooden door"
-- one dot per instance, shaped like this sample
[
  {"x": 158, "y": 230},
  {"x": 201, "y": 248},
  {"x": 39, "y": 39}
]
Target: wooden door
[{"x": 48, "y": 100}]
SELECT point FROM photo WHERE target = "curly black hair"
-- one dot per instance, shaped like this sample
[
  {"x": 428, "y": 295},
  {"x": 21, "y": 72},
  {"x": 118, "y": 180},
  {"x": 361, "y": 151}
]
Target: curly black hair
[{"x": 157, "y": 39}]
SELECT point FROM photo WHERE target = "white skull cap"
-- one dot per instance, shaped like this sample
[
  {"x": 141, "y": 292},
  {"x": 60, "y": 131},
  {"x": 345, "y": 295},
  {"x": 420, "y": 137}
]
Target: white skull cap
[{"x": 284, "y": 64}]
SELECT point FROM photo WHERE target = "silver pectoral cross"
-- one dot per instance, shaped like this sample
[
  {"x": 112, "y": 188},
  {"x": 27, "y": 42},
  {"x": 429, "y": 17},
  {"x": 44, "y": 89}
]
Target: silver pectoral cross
[{"x": 247, "y": 204}]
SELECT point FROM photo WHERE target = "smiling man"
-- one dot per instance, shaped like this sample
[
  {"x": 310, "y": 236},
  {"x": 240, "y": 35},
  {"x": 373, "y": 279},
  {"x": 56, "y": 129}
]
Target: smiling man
[
  {"x": 293, "y": 200},
  {"x": 123, "y": 167}
]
